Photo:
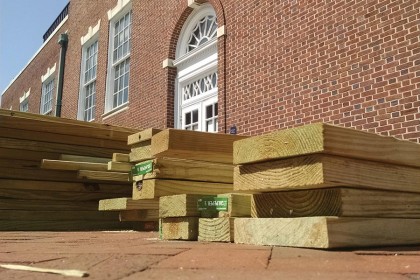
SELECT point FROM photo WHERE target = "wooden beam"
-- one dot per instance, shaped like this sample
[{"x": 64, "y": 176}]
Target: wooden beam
[
  {"x": 104, "y": 176},
  {"x": 342, "y": 202},
  {"x": 47, "y": 205},
  {"x": 118, "y": 190},
  {"x": 327, "y": 139},
  {"x": 25, "y": 215},
  {"x": 239, "y": 205},
  {"x": 139, "y": 215},
  {"x": 180, "y": 205},
  {"x": 216, "y": 229},
  {"x": 82, "y": 158},
  {"x": 192, "y": 170},
  {"x": 141, "y": 151},
  {"x": 37, "y": 174},
  {"x": 27, "y": 155},
  {"x": 212, "y": 147},
  {"x": 73, "y": 165},
  {"x": 123, "y": 203},
  {"x": 156, "y": 188},
  {"x": 323, "y": 171},
  {"x": 119, "y": 166},
  {"x": 327, "y": 232},
  {"x": 119, "y": 157},
  {"x": 142, "y": 136},
  {"x": 73, "y": 225},
  {"x": 180, "y": 228}
]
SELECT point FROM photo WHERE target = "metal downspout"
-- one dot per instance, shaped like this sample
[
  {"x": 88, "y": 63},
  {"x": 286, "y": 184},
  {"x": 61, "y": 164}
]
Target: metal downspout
[{"x": 63, "y": 40}]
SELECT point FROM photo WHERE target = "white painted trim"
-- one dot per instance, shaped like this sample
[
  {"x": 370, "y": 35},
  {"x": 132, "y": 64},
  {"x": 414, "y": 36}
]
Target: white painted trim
[
  {"x": 116, "y": 111},
  {"x": 221, "y": 31},
  {"x": 25, "y": 95},
  {"x": 193, "y": 4},
  {"x": 118, "y": 8},
  {"x": 39, "y": 50},
  {"x": 91, "y": 33},
  {"x": 167, "y": 63},
  {"x": 49, "y": 72}
]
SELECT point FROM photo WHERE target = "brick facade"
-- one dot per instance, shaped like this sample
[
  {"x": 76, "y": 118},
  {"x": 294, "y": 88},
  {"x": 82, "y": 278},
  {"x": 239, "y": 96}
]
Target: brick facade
[{"x": 280, "y": 65}]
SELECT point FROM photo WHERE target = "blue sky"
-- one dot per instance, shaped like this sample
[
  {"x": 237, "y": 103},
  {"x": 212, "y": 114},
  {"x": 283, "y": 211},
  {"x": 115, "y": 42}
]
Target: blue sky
[{"x": 22, "y": 25}]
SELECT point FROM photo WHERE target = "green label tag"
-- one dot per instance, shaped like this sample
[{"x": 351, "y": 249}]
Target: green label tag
[
  {"x": 212, "y": 203},
  {"x": 142, "y": 168}
]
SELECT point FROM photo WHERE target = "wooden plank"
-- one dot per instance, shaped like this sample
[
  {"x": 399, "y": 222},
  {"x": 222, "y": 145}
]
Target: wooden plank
[
  {"x": 82, "y": 158},
  {"x": 118, "y": 190},
  {"x": 342, "y": 202},
  {"x": 156, "y": 188},
  {"x": 323, "y": 171},
  {"x": 37, "y": 122},
  {"x": 103, "y": 176},
  {"x": 181, "y": 205},
  {"x": 19, "y": 163},
  {"x": 19, "y": 144},
  {"x": 27, "y": 155},
  {"x": 74, "y": 225},
  {"x": 142, "y": 136},
  {"x": 179, "y": 228},
  {"x": 212, "y": 147},
  {"x": 327, "y": 232},
  {"x": 141, "y": 151},
  {"x": 47, "y": 205},
  {"x": 124, "y": 203},
  {"x": 73, "y": 165},
  {"x": 328, "y": 139},
  {"x": 119, "y": 166},
  {"x": 239, "y": 205},
  {"x": 25, "y": 215},
  {"x": 119, "y": 157},
  {"x": 144, "y": 215},
  {"x": 216, "y": 229},
  {"x": 51, "y": 137},
  {"x": 54, "y": 195},
  {"x": 192, "y": 170},
  {"x": 38, "y": 174}
]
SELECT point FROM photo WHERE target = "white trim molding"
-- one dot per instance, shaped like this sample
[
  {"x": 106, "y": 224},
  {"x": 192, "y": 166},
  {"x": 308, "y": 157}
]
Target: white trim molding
[
  {"x": 91, "y": 32},
  {"x": 49, "y": 72},
  {"x": 168, "y": 63},
  {"x": 118, "y": 8},
  {"x": 221, "y": 31},
  {"x": 193, "y": 4},
  {"x": 25, "y": 95}
]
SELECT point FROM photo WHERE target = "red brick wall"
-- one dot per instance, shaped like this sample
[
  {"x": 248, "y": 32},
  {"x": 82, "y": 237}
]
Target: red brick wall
[{"x": 282, "y": 64}]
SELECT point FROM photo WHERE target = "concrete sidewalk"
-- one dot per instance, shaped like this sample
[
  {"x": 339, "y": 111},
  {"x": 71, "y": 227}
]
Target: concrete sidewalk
[{"x": 140, "y": 255}]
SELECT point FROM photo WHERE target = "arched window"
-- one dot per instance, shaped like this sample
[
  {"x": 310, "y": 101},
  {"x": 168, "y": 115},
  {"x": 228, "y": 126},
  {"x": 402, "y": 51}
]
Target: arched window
[{"x": 196, "y": 83}]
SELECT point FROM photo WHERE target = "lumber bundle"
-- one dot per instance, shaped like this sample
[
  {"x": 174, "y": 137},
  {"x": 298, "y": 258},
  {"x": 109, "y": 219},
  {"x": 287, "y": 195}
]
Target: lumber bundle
[
  {"x": 40, "y": 161},
  {"x": 323, "y": 186}
]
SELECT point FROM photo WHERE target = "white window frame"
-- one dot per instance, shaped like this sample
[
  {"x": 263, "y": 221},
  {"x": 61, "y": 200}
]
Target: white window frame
[
  {"x": 115, "y": 15},
  {"x": 46, "y": 80},
  {"x": 24, "y": 101},
  {"x": 193, "y": 65},
  {"x": 91, "y": 37}
]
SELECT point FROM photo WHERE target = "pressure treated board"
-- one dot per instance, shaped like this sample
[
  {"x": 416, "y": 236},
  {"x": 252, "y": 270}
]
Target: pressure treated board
[
  {"x": 47, "y": 205},
  {"x": 25, "y": 215},
  {"x": 119, "y": 157},
  {"x": 156, "y": 188},
  {"x": 141, "y": 151},
  {"x": 180, "y": 228},
  {"x": 180, "y": 205},
  {"x": 192, "y": 170},
  {"x": 117, "y": 190},
  {"x": 328, "y": 139},
  {"x": 27, "y": 155},
  {"x": 73, "y": 165},
  {"x": 124, "y": 203},
  {"x": 119, "y": 166},
  {"x": 327, "y": 232},
  {"x": 239, "y": 205},
  {"x": 216, "y": 229},
  {"x": 37, "y": 174},
  {"x": 142, "y": 136},
  {"x": 341, "y": 202},
  {"x": 104, "y": 176},
  {"x": 73, "y": 225},
  {"x": 139, "y": 215},
  {"x": 322, "y": 171},
  {"x": 186, "y": 144},
  {"x": 67, "y": 157}
]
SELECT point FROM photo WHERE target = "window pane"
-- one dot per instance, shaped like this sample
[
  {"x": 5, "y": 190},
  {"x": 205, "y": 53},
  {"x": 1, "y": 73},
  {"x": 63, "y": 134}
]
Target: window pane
[
  {"x": 209, "y": 111},
  {"x": 195, "y": 116},
  {"x": 188, "y": 118}
]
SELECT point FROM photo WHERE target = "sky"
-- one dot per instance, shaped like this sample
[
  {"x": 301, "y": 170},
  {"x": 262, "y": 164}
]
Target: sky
[{"x": 22, "y": 25}]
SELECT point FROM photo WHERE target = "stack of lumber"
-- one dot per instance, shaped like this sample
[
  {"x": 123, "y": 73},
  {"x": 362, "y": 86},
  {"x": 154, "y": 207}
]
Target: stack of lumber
[
  {"x": 323, "y": 186},
  {"x": 41, "y": 187},
  {"x": 180, "y": 162}
]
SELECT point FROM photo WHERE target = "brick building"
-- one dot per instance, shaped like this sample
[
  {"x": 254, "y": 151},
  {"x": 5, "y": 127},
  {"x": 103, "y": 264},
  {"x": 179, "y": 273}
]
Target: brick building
[{"x": 210, "y": 65}]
